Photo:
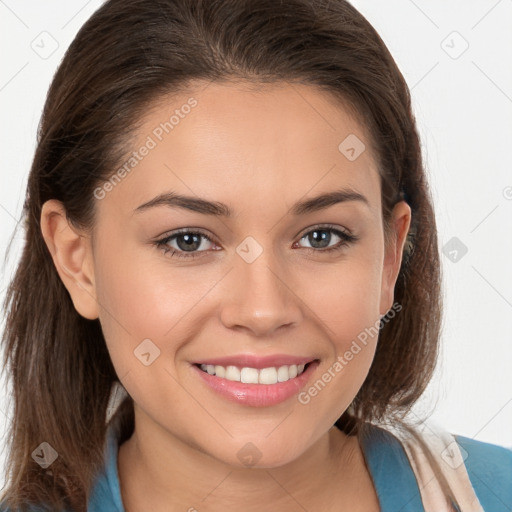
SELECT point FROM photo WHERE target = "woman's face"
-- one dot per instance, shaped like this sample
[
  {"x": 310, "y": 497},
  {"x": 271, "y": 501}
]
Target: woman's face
[{"x": 263, "y": 292}]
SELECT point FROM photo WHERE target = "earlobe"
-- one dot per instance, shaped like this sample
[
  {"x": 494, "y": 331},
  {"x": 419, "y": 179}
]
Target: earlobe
[
  {"x": 72, "y": 257},
  {"x": 401, "y": 221}
]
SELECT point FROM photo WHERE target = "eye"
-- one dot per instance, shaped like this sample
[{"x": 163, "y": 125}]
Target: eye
[
  {"x": 186, "y": 243},
  {"x": 186, "y": 240},
  {"x": 320, "y": 238}
]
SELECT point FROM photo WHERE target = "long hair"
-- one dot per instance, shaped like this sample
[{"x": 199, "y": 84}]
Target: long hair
[{"x": 127, "y": 56}]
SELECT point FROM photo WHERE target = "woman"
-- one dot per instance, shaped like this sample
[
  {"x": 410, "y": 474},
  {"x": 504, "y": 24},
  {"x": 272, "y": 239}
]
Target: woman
[{"x": 228, "y": 221}]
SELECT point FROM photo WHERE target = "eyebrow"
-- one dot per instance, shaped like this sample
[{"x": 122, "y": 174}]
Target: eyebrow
[{"x": 195, "y": 204}]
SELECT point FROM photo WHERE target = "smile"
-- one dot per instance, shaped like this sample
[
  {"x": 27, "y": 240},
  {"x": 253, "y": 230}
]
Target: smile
[{"x": 260, "y": 382}]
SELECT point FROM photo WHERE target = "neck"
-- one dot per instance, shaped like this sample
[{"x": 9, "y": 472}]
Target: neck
[{"x": 157, "y": 471}]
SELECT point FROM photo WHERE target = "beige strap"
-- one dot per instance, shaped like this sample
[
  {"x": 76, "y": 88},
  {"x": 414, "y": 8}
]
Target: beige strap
[
  {"x": 449, "y": 456},
  {"x": 117, "y": 394}
]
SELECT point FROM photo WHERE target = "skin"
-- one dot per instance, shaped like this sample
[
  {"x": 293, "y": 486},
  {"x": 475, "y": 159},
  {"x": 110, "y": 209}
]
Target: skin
[{"x": 259, "y": 151}]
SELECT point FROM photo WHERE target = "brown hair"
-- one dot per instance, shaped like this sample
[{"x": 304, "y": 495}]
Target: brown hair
[{"x": 126, "y": 56}]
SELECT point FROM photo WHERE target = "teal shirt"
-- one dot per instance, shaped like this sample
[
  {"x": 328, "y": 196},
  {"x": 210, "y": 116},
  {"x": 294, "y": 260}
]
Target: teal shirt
[{"x": 489, "y": 469}]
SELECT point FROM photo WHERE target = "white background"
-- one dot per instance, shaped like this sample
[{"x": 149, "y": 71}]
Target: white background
[{"x": 463, "y": 105}]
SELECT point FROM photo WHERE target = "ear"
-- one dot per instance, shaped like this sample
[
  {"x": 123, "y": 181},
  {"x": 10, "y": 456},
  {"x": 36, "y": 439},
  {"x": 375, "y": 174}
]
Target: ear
[
  {"x": 400, "y": 223},
  {"x": 72, "y": 255}
]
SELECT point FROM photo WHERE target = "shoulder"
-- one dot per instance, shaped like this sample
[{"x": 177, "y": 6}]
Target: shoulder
[
  {"x": 394, "y": 458},
  {"x": 489, "y": 468}
]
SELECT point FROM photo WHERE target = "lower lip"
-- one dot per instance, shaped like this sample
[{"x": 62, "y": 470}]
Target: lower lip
[{"x": 257, "y": 395}]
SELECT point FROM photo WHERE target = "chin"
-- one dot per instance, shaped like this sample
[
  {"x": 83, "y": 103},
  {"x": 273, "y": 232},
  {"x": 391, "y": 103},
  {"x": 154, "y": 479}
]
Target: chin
[{"x": 257, "y": 455}]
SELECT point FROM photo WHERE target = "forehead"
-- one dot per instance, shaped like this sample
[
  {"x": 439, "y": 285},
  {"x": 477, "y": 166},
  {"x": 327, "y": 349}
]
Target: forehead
[{"x": 237, "y": 142}]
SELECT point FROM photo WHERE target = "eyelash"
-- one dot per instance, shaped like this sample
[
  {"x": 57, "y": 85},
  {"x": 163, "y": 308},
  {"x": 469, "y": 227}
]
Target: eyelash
[{"x": 346, "y": 239}]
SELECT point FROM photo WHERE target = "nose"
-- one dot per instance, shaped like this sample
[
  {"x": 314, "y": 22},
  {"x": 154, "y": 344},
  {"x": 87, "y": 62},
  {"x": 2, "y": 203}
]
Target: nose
[{"x": 260, "y": 298}]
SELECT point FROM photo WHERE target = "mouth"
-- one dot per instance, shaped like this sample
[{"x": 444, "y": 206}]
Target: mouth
[{"x": 256, "y": 383}]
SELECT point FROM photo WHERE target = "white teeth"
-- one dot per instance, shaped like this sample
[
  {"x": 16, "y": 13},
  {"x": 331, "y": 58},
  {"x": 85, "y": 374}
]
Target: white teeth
[
  {"x": 268, "y": 376},
  {"x": 232, "y": 373},
  {"x": 220, "y": 371},
  {"x": 283, "y": 374},
  {"x": 248, "y": 375}
]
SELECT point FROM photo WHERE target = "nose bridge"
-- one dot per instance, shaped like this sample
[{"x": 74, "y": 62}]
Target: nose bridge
[{"x": 260, "y": 299}]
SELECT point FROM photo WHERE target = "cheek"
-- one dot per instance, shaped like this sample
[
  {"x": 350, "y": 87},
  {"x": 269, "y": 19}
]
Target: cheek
[
  {"x": 344, "y": 297},
  {"x": 142, "y": 297},
  {"x": 349, "y": 316},
  {"x": 345, "y": 303}
]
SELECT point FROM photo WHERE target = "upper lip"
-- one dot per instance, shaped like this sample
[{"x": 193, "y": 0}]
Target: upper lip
[{"x": 258, "y": 362}]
